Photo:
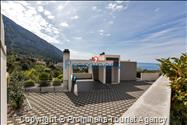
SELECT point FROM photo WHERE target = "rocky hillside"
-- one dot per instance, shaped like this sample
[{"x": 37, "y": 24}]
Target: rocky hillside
[{"x": 22, "y": 42}]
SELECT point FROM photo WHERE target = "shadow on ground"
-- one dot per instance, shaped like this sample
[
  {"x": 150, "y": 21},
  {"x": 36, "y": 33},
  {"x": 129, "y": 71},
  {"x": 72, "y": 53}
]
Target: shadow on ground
[{"x": 95, "y": 92}]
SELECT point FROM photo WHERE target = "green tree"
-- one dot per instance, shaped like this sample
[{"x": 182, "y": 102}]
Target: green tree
[
  {"x": 176, "y": 70},
  {"x": 15, "y": 90},
  {"x": 31, "y": 74},
  {"x": 44, "y": 79}
]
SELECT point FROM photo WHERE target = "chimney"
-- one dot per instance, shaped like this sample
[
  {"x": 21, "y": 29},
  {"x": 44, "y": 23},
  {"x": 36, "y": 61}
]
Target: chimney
[
  {"x": 103, "y": 53},
  {"x": 66, "y": 61}
]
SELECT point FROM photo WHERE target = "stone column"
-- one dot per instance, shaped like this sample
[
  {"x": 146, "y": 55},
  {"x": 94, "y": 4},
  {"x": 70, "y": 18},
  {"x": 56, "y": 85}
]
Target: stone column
[{"x": 66, "y": 68}]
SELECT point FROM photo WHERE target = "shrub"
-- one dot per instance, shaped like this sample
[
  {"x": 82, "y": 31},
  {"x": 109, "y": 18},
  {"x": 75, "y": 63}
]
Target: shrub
[
  {"x": 44, "y": 76},
  {"x": 176, "y": 70},
  {"x": 28, "y": 83},
  {"x": 24, "y": 66},
  {"x": 43, "y": 79},
  {"x": 39, "y": 68},
  {"x": 48, "y": 70},
  {"x": 60, "y": 77},
  {"x": 44, "y": 83},
  {"x": 31, "y": 74},
  {"x": 56, "y": 82},
  {"x": 56, "y": 73},
  {"x": 15, "y": 91}
]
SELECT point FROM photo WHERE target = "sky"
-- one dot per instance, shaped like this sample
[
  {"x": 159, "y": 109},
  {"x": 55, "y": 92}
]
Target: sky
[{"x": 137, "y": 31}]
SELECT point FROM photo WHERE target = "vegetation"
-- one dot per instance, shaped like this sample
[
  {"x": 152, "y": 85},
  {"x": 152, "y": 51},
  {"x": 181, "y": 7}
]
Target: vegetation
[
  {"x": 26, "y": 72},
  {"x": 15, "y": 90},
  {"x": 44, "y": 79},
  {"x": 80, "y": 69},
  {"x": 57, "y": 82},
  {"x": 28, "y": 83},
  {"x": 176, "y": 70}
]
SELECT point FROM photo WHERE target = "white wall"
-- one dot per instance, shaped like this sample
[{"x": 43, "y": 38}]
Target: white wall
[
  {"x": 102, "y": 74},
  {"x": 3, "y": 78},
  {"x": 127, "y": 70},
  {"x": 115, "y": 74},
  {"x": 150, "y": 76},
  {"x": 153, "y": 103}
]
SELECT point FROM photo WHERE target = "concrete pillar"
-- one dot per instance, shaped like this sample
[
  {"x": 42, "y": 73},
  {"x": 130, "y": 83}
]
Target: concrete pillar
[
  {"x": 90, "y": 70},
  {"x": 119, "y": 71},
  {"x": 70, "y": 77},
  {"x": 66, "y": 68},
  {"x": 119, "y": 74},
  {"x": 104, "y": 74},
  {"x": 3, "y": 78}
]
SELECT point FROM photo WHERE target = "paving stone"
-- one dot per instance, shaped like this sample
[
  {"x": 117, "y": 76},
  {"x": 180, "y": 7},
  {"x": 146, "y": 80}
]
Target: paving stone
[{"x": 101, "y": 100}]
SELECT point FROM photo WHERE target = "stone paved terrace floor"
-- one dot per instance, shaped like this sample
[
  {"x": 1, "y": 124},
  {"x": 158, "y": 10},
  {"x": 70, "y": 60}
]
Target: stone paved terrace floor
[{"x": 98, "y": 100}]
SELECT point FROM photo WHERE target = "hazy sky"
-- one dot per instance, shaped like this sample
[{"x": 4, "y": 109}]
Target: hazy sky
[{"x": 138, "y": 31}]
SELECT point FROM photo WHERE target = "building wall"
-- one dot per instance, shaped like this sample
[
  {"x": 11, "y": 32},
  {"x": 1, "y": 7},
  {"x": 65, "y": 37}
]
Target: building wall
[
  {"x": 115, "y": 75},
  {"x": 3, "y": 77},
  {"x": 102, "y": 73},
  {"x": 127, "y": 70}
]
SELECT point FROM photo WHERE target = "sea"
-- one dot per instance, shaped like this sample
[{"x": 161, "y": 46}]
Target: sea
[{"x": 148, "y": 66}]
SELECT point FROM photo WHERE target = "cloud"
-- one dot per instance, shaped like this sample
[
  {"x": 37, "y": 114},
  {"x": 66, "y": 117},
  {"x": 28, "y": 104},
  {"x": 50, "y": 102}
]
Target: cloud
[
  {"x": 75, "y": 17},
  {"x": 64, "y": 24},
  {"x": 76, "y": 54},
  {"x": 50, "y": 17},
  {"x": 111, "y": 22},
  {"x": 94, "y": 8},
  {"x": 47, "y": 13},
  {"x": 117, "y": 6},
  {"x": 101, "y": 33},
  {"x": 30, "y": 19},
  {"x": 157, "y": 9},
  {"x": 108, "y": 34},
  {"x": 39, "y": 2},
  {"x": 62, "y": 5},
  {"x": 40, "y": 9},
  {"x": 101, "y": 30},
  {"x": 78, "y": 38},
  {"x": 126, "y": 33}
]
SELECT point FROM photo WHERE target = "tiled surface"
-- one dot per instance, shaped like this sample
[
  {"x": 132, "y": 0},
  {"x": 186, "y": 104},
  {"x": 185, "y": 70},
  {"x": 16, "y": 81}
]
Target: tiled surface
[{"x": 99, "y": 100}]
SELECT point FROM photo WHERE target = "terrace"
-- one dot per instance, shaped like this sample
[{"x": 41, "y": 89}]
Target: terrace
[{"x": 98, "y": 100}]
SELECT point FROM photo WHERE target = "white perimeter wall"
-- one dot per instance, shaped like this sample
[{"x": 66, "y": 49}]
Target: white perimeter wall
[
  {"x": 154, "y": 103},
  {"x": 3, "y": 78},
  {"x": 150, "y": 76}
]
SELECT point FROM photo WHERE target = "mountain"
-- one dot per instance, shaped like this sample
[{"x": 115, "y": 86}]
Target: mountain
[{"x": 24, "y": 43}]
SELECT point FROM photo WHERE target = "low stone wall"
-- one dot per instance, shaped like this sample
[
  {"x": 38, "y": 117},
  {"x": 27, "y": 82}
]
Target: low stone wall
[
  {"x": 153, "y": 105},
  {"x": 83, "y": 75},
  {"x": 46, "y": 89},
  {"x": 150, "y": 76}
]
